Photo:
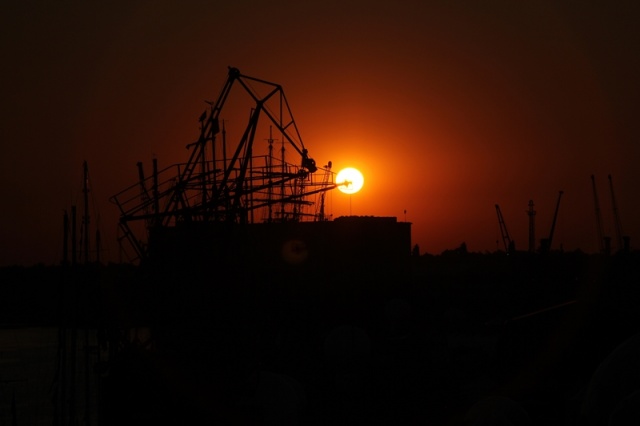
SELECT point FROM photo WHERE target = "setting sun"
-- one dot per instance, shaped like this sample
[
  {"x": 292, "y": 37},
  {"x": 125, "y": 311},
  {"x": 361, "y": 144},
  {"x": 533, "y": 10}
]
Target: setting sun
[{"x": 349, "y": 180}]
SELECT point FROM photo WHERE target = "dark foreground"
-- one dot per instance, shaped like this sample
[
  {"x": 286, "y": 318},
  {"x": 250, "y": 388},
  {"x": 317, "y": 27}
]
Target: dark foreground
[{"x": 459, "y": 338}]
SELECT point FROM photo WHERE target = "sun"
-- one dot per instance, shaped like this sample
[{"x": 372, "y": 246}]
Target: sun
[{"x": 349, "y": 180}]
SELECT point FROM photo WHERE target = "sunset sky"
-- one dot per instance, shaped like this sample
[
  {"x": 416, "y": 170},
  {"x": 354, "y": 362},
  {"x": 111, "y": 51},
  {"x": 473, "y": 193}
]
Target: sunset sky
[{"x": 447, "y": 107}]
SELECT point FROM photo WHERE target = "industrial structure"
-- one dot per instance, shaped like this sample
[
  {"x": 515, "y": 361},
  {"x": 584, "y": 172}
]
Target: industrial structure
[
  {"x": 509, "y": 244},
  {"x": 545, "y": 243},
  {"x": 236, "y": 193},
  {"x": 604, "y": 241},
  {"x": 237, "y": 235},
  {"x": 226, "y": 182}
]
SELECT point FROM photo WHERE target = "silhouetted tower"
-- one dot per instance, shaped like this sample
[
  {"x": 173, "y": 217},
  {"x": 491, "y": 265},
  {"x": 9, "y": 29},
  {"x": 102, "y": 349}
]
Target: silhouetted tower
[
  {"x": 532, "y": 227},
  {"x": 623, "y": 242},
  {"x": 509, "y": 245}
]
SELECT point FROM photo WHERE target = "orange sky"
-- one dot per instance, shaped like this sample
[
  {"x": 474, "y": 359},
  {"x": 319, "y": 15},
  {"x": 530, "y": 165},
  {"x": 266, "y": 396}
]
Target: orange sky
[{"x": 447, "y": 107}]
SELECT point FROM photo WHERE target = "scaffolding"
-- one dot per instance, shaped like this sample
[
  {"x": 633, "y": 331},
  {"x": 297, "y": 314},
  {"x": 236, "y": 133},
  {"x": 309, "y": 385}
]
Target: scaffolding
[{"x": 224, "y": 181}]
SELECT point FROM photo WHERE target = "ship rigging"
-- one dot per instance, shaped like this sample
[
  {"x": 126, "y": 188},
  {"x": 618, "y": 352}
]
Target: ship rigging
[{"x": 223, "y": 182}]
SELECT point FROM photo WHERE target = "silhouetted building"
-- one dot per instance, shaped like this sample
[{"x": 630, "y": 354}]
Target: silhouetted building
[{"x": 354, "y": 245}]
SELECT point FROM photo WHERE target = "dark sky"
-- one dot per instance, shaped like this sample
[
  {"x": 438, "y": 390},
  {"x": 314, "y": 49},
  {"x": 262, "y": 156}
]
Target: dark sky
[{"x": 447, "y": 107}]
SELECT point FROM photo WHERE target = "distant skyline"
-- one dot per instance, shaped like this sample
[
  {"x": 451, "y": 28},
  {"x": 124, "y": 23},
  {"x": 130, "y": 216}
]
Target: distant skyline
[{"x": 447, "y": 107}]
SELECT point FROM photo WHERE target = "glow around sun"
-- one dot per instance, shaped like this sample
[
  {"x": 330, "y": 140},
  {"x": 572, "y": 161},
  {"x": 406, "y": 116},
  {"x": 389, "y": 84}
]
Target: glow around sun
[{"x": 349, "y": 180}]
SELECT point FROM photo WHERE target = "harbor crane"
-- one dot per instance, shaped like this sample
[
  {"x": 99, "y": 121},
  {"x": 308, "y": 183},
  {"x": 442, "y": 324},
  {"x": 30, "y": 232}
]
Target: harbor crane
[
  {"x": 545, "y": 245},
  {"x": 509, "y": 244}
]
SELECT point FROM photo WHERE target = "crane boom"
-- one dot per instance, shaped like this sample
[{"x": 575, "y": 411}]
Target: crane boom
[
  {"x": 509, "y": 245},
  {"x": 223, "y": 185},
  {"x": 555, "y": 218}
]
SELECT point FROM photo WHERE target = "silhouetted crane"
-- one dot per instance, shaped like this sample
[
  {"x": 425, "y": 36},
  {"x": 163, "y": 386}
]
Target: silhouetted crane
[
  {"x": 545, "y": 245},
  {"x": 223, "y": 185},
  {"x": 509, "y": 245}
]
